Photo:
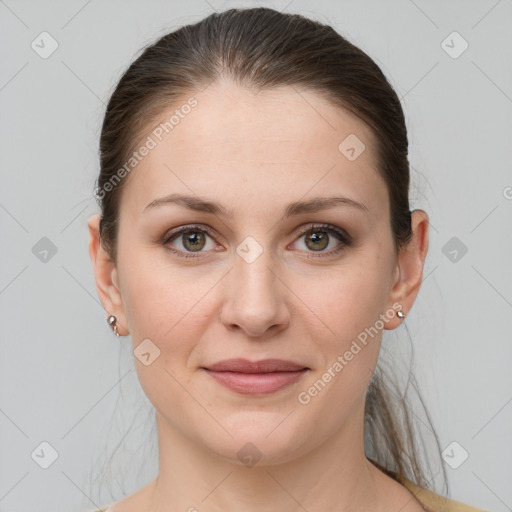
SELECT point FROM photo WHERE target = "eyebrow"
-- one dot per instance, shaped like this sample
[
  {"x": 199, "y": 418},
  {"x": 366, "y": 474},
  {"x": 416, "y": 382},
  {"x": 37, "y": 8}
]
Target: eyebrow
[{"x": 197, "y": 204}]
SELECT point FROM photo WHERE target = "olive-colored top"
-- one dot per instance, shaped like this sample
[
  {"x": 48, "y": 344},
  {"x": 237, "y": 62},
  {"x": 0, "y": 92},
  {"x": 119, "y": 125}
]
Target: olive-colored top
[{"x": 433, "y": 502}]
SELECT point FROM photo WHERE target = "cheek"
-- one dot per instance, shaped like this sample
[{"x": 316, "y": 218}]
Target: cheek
[
  {"x": 163, "y": 304},
  {"x": 351, "y": 304},
  {"x": 161, "y": 301},
  {"x": 352, "y": 297},
  {"x": 351, "y": 309},
  {"x": 353, "y": 314}
]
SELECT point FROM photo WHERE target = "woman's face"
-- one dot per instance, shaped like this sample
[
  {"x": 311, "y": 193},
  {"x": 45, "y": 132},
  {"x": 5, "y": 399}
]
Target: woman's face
[{"x": 255, "y": 279}]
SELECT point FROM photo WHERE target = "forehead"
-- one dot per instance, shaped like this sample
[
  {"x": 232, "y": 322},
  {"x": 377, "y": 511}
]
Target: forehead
[
  {"x": 241, "y": 142},
  {"x": 284, "y": 119}
]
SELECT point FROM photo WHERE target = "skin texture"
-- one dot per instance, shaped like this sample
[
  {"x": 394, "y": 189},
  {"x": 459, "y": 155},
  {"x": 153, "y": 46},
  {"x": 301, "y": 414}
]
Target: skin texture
[{"x": 255, "y": 153}]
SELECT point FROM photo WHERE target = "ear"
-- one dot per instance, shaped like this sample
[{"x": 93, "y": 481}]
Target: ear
[
  {"x": 105, "y": 274},
  {"x": 409, "y": 269}
]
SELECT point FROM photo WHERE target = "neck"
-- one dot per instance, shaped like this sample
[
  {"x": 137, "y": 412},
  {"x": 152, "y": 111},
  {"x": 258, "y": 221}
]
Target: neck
[{"x": 335, "y": 475}]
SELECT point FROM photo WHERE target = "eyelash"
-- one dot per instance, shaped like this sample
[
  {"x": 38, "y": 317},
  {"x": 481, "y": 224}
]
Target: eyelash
[{"x": 339, "y": 234}]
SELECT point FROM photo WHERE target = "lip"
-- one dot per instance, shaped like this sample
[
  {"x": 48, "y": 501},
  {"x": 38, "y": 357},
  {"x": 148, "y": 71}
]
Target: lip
[{"x": 256, "y": 377}]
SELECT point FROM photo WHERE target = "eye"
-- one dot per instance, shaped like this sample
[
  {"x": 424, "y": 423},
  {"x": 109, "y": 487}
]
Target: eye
[
  {"x": 319, "y": 237},
  {"x": 192, "y": 239}
]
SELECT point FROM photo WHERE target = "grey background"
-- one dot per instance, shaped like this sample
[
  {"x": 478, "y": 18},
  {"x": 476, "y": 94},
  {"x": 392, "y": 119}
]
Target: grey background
[{"x": 66, "y": 380}]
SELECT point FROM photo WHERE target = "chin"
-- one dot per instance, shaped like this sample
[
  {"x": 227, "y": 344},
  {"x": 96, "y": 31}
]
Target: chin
[{"x": 267, "y": 442}]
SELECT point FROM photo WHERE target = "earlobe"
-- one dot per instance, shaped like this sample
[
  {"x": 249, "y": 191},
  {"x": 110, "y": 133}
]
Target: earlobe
[
  {"x": 410, "y": 262},
  {"x": 105, "y": 274}
]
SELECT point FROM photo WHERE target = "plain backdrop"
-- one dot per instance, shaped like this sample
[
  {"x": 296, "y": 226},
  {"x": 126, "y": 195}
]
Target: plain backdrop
[{"x": 68, "y": 389}]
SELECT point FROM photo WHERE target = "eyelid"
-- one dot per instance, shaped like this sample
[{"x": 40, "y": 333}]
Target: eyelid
[
  {"x": 189, "y": 227},
  {"x": 327, "y": 227}
]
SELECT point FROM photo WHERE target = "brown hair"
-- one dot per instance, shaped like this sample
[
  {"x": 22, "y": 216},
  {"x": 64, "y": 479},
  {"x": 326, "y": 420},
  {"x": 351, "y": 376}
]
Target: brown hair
[{"x": 262, "y": 48}]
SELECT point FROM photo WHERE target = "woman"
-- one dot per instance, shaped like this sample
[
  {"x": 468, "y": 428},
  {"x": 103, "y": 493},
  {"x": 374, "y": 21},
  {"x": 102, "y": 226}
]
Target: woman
[{"x": 255, "y": 240}]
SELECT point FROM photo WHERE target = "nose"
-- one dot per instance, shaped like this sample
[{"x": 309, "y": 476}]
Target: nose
[{"x": 255, "y": 298}]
